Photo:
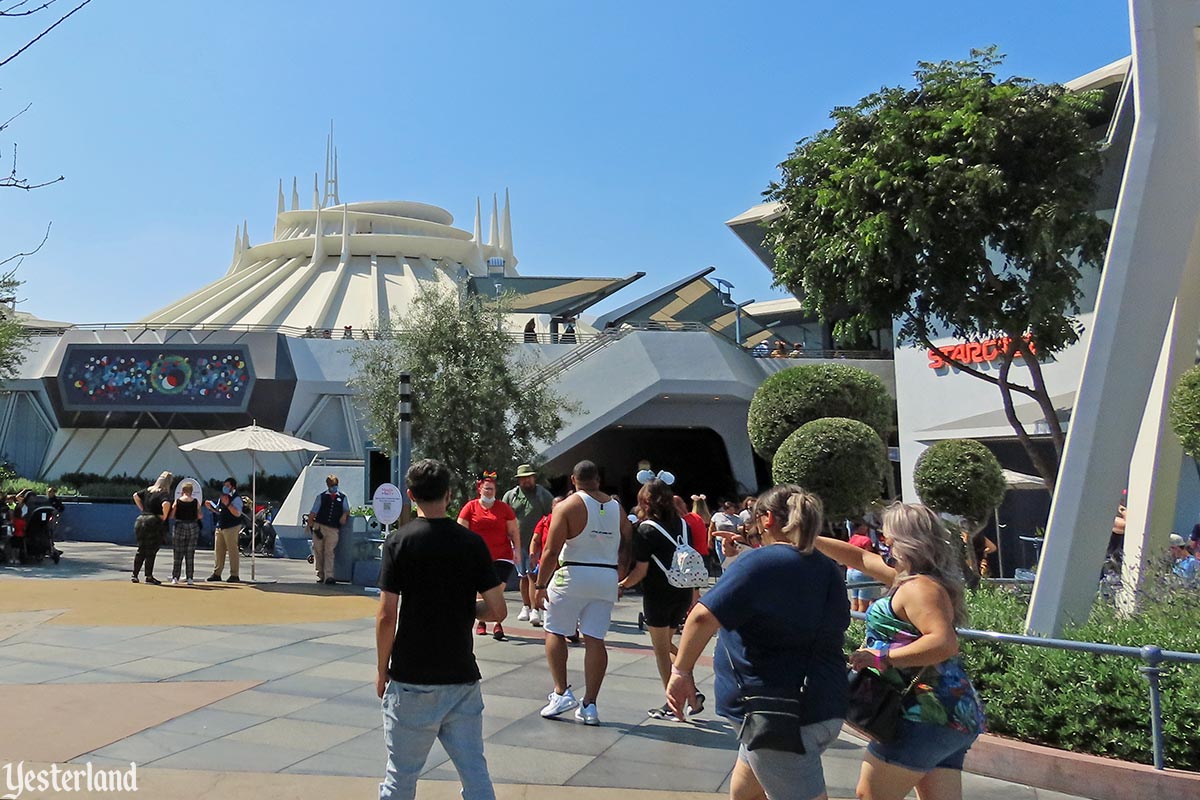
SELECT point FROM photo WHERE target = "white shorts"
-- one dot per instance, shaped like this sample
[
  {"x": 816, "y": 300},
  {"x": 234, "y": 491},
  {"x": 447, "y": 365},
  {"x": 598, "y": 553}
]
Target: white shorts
[{"x": 565, "y": 611}]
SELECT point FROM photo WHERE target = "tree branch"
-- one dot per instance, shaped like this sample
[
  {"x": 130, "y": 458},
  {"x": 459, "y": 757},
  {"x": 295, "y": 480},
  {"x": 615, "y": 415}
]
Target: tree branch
[
  {"x": 11, "y": 11},
  {"x": 35, "y": 39},
  {"x": 1048, "y": 473},
  {"x": 11, "y": 181},
  {"x": 9, "y": 121},
  {"x": 31, "y": 252}
]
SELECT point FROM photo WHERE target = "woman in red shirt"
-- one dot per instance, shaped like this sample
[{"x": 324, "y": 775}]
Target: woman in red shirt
[{"x": 496, "y": 522}]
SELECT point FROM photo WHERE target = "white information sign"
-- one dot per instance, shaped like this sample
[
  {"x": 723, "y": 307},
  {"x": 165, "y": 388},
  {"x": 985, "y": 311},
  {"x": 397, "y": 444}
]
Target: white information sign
[
  {"x": 387, "y": 503},
  {"x": 197, "y": 489}
]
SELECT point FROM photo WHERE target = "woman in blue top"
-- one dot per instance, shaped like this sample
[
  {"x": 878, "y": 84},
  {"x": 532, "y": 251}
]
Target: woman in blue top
[
  {"x": 911, "y": 638},
  {"x": 782, "y": 612}
]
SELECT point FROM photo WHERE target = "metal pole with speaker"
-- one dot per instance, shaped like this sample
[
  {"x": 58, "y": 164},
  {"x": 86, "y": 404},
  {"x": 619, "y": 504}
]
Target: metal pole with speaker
[{"x": 404, "y": 445}]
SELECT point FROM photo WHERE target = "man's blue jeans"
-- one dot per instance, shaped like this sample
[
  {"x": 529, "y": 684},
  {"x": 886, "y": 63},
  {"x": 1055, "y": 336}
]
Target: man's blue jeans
[{"x": 414, "y": 715}]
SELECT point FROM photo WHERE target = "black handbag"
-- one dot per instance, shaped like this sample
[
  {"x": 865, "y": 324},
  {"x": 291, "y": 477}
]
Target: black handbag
[
  {"x": 876, "y": 705},
  {"x": 771, "y": 722}
]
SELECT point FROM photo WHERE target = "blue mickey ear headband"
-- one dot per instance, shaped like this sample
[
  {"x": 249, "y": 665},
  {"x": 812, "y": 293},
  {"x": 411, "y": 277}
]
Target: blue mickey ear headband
[{"x": 647, "y": 475}]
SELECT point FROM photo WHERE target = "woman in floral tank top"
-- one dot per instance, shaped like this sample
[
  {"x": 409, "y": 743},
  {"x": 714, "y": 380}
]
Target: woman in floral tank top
[{"x": 911, "y": 639}]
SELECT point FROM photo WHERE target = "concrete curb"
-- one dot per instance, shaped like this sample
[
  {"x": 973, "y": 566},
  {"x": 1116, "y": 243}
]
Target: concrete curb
[{"x": 1077, "y": 773}]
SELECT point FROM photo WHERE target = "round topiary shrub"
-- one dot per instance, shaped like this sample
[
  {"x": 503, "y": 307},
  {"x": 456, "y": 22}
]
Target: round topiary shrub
[
  {"x": 961, "y": 477},
  {"x": 798, "y": 395},
  {"x": 838, "y": 459},
  {"x": 1183, "y": 411}
]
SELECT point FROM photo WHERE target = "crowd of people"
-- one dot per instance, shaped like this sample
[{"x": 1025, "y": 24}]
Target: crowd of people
[
  {"x": 779, "y": 609},
  {"x": 21, "y": 512}
]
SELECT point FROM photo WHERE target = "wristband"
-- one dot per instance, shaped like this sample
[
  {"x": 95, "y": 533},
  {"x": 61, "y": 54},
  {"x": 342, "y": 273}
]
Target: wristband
[
  {"x": 883, "y": 660},
  {"x": 677, "y": 671}
]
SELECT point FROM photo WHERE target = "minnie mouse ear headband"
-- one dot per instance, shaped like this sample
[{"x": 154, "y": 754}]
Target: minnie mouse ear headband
[
  {"x": 696, "y": 497},
  {"x": 647, "y": 475}
]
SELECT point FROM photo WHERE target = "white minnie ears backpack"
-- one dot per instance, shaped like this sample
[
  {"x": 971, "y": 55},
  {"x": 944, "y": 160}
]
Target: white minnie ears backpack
[{"x": 687, "y": 570}]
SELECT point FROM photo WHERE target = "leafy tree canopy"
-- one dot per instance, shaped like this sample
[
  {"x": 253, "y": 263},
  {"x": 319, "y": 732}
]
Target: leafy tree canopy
[
  {"x": 962, "y": 203},
  {"x": 1183, "y": 410},
  {"x": 840, "y": 460},
  {"x": 476, "y": 403},
  {"x": 797, "y": 395}
]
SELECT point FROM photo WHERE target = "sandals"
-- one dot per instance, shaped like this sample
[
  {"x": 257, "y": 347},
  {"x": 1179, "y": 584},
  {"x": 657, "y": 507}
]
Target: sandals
[{"x": 665, "y": 711}]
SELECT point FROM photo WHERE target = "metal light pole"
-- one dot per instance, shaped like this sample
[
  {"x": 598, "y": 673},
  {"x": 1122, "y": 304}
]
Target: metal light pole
[
  {"x": 725, "y": 295},
  {"x": 404, "y": 445}
]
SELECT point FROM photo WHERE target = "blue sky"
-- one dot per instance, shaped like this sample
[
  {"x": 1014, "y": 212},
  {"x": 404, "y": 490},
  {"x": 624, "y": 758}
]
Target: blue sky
[{"x": 626, "y": 132}]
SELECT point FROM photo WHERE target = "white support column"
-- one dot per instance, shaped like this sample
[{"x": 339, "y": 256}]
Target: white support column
[
  {"x": 1157, "y": 460},
  {"x": 1152, "y": 241}
]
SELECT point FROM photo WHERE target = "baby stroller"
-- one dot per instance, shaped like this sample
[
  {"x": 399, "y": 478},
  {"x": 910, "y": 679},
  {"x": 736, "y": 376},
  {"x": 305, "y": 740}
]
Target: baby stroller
[
  {"x": 263, "y": 540},
  {"x": 38, "y": 541}
]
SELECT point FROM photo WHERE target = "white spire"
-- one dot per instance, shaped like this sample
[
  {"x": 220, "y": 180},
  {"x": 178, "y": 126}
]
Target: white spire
[
  {"x": 506, "y": 227},
  {"x": 336, "y": 196},
  {"x": 295, "y": 195},
  {"x": 237, "y": 243},
  {"x": 494, "y": 233},
  {"x": 345, "y": 234},
  {"x": 279, "y": 207},
  {"x": 245, "y": 236},
  {"x": 330, "y": 196},
  {"x": 318, "y": 255},
  {"x": 477, "y": 236},
  {"x": 316, "y": 193}
]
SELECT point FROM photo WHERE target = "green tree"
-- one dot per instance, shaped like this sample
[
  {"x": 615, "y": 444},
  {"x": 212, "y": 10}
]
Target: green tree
[
  {"x": 476, "y": 403},
  {"x": 961, "y": 477},
  {"x": 959, "y": 206},
  {"x": 798, "y": 395},
  {"x": 1183, "y": 411},
  {"x": 840, "y": 460},
  {"x": 14, "y": 337}
]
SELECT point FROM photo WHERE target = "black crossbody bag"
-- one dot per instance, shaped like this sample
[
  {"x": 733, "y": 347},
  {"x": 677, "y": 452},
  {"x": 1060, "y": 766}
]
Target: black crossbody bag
[{"x": 772, "y": 721}]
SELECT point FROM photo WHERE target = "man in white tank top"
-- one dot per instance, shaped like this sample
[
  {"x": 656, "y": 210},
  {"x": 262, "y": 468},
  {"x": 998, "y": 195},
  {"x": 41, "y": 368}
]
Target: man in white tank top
[{"x": 584, "y": 556}]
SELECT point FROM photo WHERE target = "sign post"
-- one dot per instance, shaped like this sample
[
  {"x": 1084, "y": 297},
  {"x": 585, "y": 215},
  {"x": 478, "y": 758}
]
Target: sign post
[{"x": 404, "y": 448}]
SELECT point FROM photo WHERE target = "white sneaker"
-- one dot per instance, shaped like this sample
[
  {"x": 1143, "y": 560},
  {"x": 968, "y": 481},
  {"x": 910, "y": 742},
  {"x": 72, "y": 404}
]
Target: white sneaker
[
  {"x": 535, "y": 618},
  {"x": 191, "y": 582},
  {"x": 588, "y": 714},
  {"x": 559, "y": 703},
  {"x": 524, "y": 615},
  {"x": 174, "y": 581}
]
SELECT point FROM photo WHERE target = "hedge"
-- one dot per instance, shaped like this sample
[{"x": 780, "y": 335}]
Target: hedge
[
  {"x": 1183, "y": 410},
  {"x": 796, "y": 396},
  {"x": 840, "y": 460},
  {"x": 1080, "y": 702}
]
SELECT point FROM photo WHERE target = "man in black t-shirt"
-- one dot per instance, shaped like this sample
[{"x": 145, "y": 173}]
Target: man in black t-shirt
[{"x": 427, "y": 677}]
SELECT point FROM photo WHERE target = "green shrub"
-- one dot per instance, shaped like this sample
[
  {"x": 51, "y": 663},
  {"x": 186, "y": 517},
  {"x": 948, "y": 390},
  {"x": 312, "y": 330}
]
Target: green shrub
[
  {"x": 796, "y": 396},
  {"x": 1086, "y": 703},
  {"x": 839, "y": 460},
  {"x": 1183, "y": 410},
  {"x": 961, "y": 477}
]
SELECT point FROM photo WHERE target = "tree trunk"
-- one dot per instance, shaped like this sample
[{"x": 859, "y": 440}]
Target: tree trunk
[{"x": 1048, "y": 471}]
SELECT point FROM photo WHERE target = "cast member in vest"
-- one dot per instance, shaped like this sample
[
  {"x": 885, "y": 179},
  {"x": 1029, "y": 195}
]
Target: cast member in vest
[
  {"x": 530, "y": 502},
  {"x": 228, "y": 509},
  {"x": 154, "y": 504},
  {"x": 329, "y": 514},
  {"x": 186, "y": 513},
  {"x": 584, "y": 556}
]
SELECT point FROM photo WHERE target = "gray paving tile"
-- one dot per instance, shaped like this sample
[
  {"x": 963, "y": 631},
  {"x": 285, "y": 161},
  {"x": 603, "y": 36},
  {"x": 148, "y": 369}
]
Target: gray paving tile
[
  {"x": 978, "y": 787},
  {"x": 510, "y": 707},
  {"x": 227, "y": 672},
  {"x": 270, "y": 663},
  {"x": 210, "y": 722},
  {"x": 101, "y": 762},
  {"x": 70, "y": 656},
  {"x": 618, "y": 772},
  {"x": 536, "y": 733},
  {"x": 311, "y": 687},
  {"x": 368, "y": 746},
  {"x": 337, "y": 712},
  {"x": 520, "y": 765},
  {"x": 155, "y": 668},
  {"x": 37, "y": 673},
  {"x": 324, "y": 653},
  {"x": 209, "y": 654},
  {"x": 148, "y": 746},
  {"x": 233, "y": 756},
  {"x": 343, "y": 670},
  {"x": 333, "y": 764},
  {"x": 298, "y": 734},
  {"x": 266, "y": 704},
  {"x": 100, "y": 676},
  {"x": 673, "y": 744}
]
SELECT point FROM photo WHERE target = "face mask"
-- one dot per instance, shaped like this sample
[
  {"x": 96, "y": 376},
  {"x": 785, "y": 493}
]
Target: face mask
[
  {"x": 226, "y": 490},
  {"x": 486, "y": 502},
  {"x": 333, "y": 489}
]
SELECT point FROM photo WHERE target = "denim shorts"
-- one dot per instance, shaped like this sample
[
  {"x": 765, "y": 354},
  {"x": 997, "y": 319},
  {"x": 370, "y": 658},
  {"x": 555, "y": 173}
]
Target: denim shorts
[
  {"x": 796, "y": 775},
  {"x": 862, "y": 592},
  {"x": 922, "y": 747}
]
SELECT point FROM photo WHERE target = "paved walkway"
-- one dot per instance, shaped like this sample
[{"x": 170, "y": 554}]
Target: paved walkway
[{"x": 267, "y": 691}]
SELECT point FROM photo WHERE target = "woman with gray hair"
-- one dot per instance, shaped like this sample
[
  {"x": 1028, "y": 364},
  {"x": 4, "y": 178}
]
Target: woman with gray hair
[
  {"x": 781, "y": 612},
  {"x": 912, "y": 642},
  {"x": 154, "y": 504}
]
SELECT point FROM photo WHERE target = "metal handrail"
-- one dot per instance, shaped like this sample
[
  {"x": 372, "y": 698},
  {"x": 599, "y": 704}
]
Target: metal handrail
[
  {"x": 1152, "y": 655},
  {"x": 863, "y": 355}
]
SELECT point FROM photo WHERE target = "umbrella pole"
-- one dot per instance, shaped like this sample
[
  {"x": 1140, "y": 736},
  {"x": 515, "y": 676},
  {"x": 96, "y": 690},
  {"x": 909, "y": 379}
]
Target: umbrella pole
[{"x": 253, "y": 508}]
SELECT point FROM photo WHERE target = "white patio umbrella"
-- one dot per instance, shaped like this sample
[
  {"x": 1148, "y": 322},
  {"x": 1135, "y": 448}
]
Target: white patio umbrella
[{"x": 256, "y": 440}]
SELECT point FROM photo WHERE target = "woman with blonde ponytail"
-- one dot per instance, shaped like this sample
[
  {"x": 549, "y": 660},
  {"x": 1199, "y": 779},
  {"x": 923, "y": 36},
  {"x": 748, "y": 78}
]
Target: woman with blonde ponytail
[
  {"x": 911, "y": 639},
  {"x": 779, "y": 612}
]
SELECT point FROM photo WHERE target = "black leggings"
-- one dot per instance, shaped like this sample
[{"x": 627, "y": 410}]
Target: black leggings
[{"x": 148, "y": 530}]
